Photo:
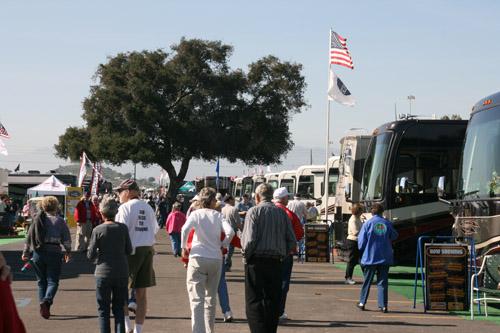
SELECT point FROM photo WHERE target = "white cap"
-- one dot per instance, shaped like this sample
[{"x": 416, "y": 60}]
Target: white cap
[{"x": 280, "y": 193}]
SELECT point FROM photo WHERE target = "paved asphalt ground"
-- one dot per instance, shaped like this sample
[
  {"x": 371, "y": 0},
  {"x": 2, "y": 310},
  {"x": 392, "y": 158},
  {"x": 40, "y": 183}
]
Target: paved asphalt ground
[{"x": 318, "y": 301}]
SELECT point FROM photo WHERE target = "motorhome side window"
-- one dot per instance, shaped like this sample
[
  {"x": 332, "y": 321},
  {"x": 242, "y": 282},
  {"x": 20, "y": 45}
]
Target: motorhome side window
[{"x": 422, "y": 159}]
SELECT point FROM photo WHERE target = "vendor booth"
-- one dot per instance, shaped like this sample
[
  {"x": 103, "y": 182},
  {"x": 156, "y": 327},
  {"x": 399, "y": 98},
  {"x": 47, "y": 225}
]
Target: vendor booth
[
  {"x": 53, "y": 186},
  {"x": 50, "y": 186}
]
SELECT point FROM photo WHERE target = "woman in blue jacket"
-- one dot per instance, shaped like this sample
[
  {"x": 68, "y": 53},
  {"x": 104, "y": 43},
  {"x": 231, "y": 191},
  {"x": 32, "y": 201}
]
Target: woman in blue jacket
[{"x": 375, "y": 242}]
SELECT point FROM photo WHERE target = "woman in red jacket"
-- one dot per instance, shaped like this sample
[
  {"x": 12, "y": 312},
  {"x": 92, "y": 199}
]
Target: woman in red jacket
[{"x": 175, "y": 221}]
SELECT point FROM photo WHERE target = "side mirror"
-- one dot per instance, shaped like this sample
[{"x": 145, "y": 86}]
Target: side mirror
[
  {"x": 403, "y": 184},
  {"x": 441, "y": 186}
]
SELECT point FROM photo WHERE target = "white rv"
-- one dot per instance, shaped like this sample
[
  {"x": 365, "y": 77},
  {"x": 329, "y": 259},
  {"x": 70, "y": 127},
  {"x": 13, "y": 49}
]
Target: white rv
[
  {"x": 353, "y": 149},
  {"x": 272, "y": 179},
  {"x": 256, "y": 181},
  {"x": 333, "y": 176},
  {"x": 287, "y": 179},
  {"x": 310, "y": 182},
  {"x": 242, "y": 185}
]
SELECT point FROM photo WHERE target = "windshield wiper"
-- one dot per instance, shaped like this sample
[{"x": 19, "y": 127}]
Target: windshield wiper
[{"x": 471, "y": 193}]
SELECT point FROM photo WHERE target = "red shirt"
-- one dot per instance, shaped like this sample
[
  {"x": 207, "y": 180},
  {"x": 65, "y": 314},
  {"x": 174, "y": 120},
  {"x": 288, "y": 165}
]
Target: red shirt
[
  {"x": 175, "y": 221},
  {"x": 81, "y": 212},
  {"x": 298, "y": 230}
]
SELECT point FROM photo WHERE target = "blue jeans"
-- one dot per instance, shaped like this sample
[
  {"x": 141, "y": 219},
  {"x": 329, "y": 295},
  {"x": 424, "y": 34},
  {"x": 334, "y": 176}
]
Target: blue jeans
[
  {"x": 228, "y": 260},
  {"x": 286, "y": 275},
  {"x": 382, "y": 283},
  {"x": 175, "y": 238},
  {"x": 47, "y": 267},
  {"x": 111, "y": 292},
  {"x": 222, "y": 291}
]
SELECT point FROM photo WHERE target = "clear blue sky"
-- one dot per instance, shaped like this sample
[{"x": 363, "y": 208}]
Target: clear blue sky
[{"x": 443, "y": 52}]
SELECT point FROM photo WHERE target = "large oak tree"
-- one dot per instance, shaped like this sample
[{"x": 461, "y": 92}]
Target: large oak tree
[{"x": 158, "y": 107}]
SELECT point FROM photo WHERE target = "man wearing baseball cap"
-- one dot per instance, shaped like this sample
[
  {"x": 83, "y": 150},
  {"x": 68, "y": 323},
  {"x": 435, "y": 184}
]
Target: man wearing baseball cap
[
  {"x": 281, "y": 196},
  {"x": 141, "y": 222}
]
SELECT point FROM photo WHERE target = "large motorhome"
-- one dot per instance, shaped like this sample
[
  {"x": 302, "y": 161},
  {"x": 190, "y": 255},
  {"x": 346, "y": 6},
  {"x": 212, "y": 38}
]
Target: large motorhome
[
  {"x": 272, "y": 179},
  {"x": 405, "y": 162},
  {"x": 353, "y": 149},
  {"x": 333, "y": 176},
  {"x": 477, "y": 210},
  {"x": 242, "y": 185},
  {"x": 287, "y": 179},
  {"x": 223, "y": 186},
  {"x": 310, "y": 182},
  {"x": 256, "y": 181}
]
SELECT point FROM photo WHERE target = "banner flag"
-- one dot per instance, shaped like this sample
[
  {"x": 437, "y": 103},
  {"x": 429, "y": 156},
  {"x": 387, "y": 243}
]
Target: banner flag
[
  {"x": 3, "y": 149},
  {"x": 337, "y": 91},
  {"x": 83, "y": 169}
]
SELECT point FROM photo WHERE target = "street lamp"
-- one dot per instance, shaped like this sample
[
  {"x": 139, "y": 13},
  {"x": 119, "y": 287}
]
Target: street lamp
[{"x": 410, "y": 98}]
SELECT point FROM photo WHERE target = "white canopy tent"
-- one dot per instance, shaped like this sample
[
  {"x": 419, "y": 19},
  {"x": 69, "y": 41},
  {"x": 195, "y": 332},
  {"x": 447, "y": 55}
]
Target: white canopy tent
[{"x": 50, "y": 186}]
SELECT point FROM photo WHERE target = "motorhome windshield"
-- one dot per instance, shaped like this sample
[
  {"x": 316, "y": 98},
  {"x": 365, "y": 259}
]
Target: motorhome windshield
[
  {"x": 373, "y": 176},
  {"x": 289, "y": 184},
  {"x": 247, "y": 186},
  {"x": 273, "y": 183},
  {"x": 480, "y": 165},
  {"x": 306, "y": 186}
]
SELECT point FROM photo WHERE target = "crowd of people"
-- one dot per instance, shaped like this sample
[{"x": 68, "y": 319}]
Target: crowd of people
[{"x": 118, "y": 233}]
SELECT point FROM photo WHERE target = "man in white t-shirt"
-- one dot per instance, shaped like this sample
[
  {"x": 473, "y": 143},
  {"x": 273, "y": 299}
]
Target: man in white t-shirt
[
  {"x": 140, "y": 219},
  {"x": 298, "y": 207}
]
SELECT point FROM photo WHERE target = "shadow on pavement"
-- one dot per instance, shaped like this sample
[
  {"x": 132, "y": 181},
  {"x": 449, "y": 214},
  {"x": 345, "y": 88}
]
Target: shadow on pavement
[
  {"x": 78, "y": 265},
  {"x": 318, "y": 282},
  {"x": 327, "y": 323},
  {"x": 70, "y": 317}
]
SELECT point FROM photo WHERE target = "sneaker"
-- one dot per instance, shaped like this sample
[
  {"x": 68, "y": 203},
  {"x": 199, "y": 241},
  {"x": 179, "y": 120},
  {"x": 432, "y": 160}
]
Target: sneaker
[
  {"x": 283, "y": 317},
  {"x": 384, "y": 309},
  {"x": 228, "y": 317},
  {"x": 132, "y": 306},
  {"x": 349, "y": 282},
  {"x": 45, "y": 310},
  {"x": 361, "y": 306}
]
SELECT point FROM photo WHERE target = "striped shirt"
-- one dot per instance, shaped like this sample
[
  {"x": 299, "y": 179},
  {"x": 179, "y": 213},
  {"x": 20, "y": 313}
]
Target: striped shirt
[{"x": 267, "y": 232}]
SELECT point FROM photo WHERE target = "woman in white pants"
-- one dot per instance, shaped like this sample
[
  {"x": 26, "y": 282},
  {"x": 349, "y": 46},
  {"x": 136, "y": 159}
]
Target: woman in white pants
[{"x": 205, "y": 259}]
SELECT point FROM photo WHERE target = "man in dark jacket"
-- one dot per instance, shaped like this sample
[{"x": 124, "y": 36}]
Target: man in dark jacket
[{"x": 266, "y": 240}]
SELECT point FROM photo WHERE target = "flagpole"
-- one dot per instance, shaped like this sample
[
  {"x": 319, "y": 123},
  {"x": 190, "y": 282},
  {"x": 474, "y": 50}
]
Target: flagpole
[{"x": 327, "y": 146}]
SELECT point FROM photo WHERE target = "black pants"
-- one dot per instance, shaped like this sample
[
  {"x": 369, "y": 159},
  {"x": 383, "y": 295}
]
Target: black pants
[
  {"x": 263, "y": 294},
  {"x": 353, "y": 257},
  {"x": 286, "y": 276},
  {"x": 111, "y": 292}
]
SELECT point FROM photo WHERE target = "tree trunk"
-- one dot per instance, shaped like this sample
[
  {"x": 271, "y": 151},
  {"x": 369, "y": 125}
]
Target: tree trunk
[{"x": 176, "y": 179}]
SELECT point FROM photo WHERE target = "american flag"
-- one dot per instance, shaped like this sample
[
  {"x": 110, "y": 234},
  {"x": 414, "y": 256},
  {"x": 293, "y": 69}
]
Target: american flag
[
  {"x": 3, "y": 132},
  {"x": 339, "y": 54}
]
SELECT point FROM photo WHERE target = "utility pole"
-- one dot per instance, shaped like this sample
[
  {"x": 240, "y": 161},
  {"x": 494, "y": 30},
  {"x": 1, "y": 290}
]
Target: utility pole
[
  {"x": 135, "y": 171},
  {"x": 310, "y": 156}
]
